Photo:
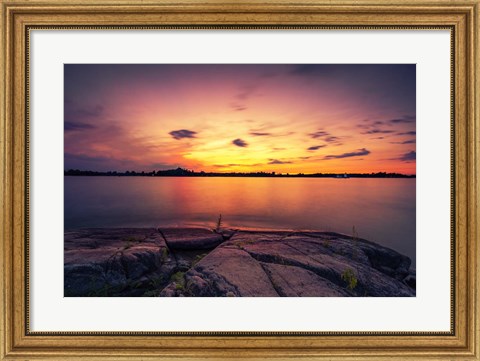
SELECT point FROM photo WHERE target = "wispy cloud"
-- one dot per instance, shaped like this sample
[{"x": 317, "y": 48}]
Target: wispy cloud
[
  {"x": 236, "y": 165},
  {"x": 276, "y": 161},
  {"x": 410, "y": 141},
  {"x": 260, "y": 134},
  {"x": 386, "y": 126},
  {"x": 84, "y": 157},
  {"x": 73, "y": 111},
  {"x": 325, "y": 136},
  {"x": 408, "y": 133},
  {"x": 240, "y": 143},
  {"x": 159, "y": 165},
  {"x": 316, "y": 147},
  {"x": 407, "y": 157},
  {"x": 227, "y": 165},
  {"x": 104, "y": 163},
  {"x": 81, "y": 118},
  {"x": 379, "y": 131},
  {"x": 241, "y": 98},
  {"x": 93, "y": 112},
  {"x": 308, "y": 70},
  {"x": 238, "y": 107},
  {"x": 183, "y": 133},
  {"x": 404, "y": 119},
  {"x": 357, "y": 153},
  {"x": 272, "y": 129},
  {"x": 246, "y": 91},
  {"x": 72, "y": 126},
  {"x": 319, "y": 134}
]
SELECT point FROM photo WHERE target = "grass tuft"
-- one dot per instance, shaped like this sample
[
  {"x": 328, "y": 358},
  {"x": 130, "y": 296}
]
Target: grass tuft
[
  {"x": 350, "y": 278},
  {"x": 178, "y": 278},
  {"x": 198, "y": 258},
  {"x": 218, "y": 226}
]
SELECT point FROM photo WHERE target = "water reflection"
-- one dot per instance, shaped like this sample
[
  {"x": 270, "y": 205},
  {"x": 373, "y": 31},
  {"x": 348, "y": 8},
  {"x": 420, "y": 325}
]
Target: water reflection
[{"x": 381, "y": 210}]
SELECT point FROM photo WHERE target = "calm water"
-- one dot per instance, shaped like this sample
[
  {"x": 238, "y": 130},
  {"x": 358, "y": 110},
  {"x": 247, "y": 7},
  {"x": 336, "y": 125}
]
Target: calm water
[{"x": 381, "y": 210}]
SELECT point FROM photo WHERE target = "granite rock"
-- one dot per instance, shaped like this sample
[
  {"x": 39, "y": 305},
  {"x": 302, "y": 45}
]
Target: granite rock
[{"x": 198, "y": 262}]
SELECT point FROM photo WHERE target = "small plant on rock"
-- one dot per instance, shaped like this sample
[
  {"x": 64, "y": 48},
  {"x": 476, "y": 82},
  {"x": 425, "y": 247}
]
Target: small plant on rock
[
  {"x": 326, "y": 243},
  {"x": 165, "y": 253},
  {"x": 357, "y": 252},
  {"x": 179, "y": 287},
  {"x": 156, "y": 282},
  {"x": 349, "y": 277},
  {"x": 354, "y": 234},
  {"x": 218, "y": 226},
  {"x": 178, "y": 278},
  {"x": 198, "y": 258},
  {"x": 127, "y": 245}
]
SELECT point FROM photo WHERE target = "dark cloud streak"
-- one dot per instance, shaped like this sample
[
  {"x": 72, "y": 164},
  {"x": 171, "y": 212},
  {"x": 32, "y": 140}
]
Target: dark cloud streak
[
  {"x": 240, "y": 143},
  {"x": 378, "y": 131},
  {"x": 238, "y": 107},
  {"x": 359, "y": 152},
  {"x": 308, "y": 70},
  {"x": 260, "y": 134},
  {"x": 70, "y": 126},
  {"x": 407, "y": 157},
  {"x": 325, "y": 136},
  {"x": 406, "y": 119},
  {"x": 85, "y": 158},
  {"x": 408, "y": 133},
  {"x": 319, "y": 134},
  {"x": 81, "y": 118},
  {"x": 182, "y": 133},
  {"x": 316, "y": 147},
  {"x": 276, "y": 161},
  {"x": 410, "y": 141}
]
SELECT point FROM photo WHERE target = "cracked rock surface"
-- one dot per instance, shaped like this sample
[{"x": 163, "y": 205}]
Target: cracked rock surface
[{"x": 198, "y": 262}]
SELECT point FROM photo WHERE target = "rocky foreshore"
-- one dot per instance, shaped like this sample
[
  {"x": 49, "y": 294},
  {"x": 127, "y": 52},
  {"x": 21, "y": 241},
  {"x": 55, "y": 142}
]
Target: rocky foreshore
[{"x": 234, "y": 263}]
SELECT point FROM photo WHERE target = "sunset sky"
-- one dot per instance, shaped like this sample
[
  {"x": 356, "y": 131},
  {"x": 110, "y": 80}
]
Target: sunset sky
[{"x": 243, "y": 118}]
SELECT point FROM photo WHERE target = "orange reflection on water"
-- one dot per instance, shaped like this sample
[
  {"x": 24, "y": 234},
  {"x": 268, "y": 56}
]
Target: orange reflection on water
[{"x": 381, "y": 210}]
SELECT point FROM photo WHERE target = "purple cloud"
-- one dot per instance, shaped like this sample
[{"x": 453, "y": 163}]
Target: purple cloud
[
  {"x": 325, "y": 136},
  {"x": 410, "y": 141},
  {"x": 316, "y": 147},
  {"x": 276, "y": 161},
  {"x": 182, "y": 133},
  {"x": 404, "y": 119},
  {"x": 240, "y": 143},
  {"x": 72, "y": 126},
  {"x": 357, "y": 153},
  {"x": 259, "y": 134},
  {"x": 408, "y": 133},
  {"x": 408, "y": 157}
]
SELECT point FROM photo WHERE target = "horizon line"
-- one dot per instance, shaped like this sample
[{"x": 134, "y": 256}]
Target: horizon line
[{"x": 186, "y": 171}]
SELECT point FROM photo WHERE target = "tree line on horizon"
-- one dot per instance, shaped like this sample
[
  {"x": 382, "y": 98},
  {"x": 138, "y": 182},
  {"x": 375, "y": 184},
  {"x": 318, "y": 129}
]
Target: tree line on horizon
[{"x": 181, "y": 172}]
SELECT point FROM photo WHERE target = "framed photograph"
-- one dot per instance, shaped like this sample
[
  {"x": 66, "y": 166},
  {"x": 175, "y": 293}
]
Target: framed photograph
[{"x": 248, "y": 180}]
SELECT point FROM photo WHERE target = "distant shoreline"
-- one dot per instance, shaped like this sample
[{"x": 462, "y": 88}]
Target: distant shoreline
[{"x": 180, "y": 172}]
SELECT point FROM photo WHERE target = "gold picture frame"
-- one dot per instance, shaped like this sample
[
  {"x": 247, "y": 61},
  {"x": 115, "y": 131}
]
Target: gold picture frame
[{"x": 21, "y": 16}]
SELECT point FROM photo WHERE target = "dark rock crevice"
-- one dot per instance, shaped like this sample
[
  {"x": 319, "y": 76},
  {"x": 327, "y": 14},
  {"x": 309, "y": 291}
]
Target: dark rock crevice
[
  {"x": 168, "y": 245},
  {"x": 276, "y": 259},
  {"x": 274, "y": 285}
]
